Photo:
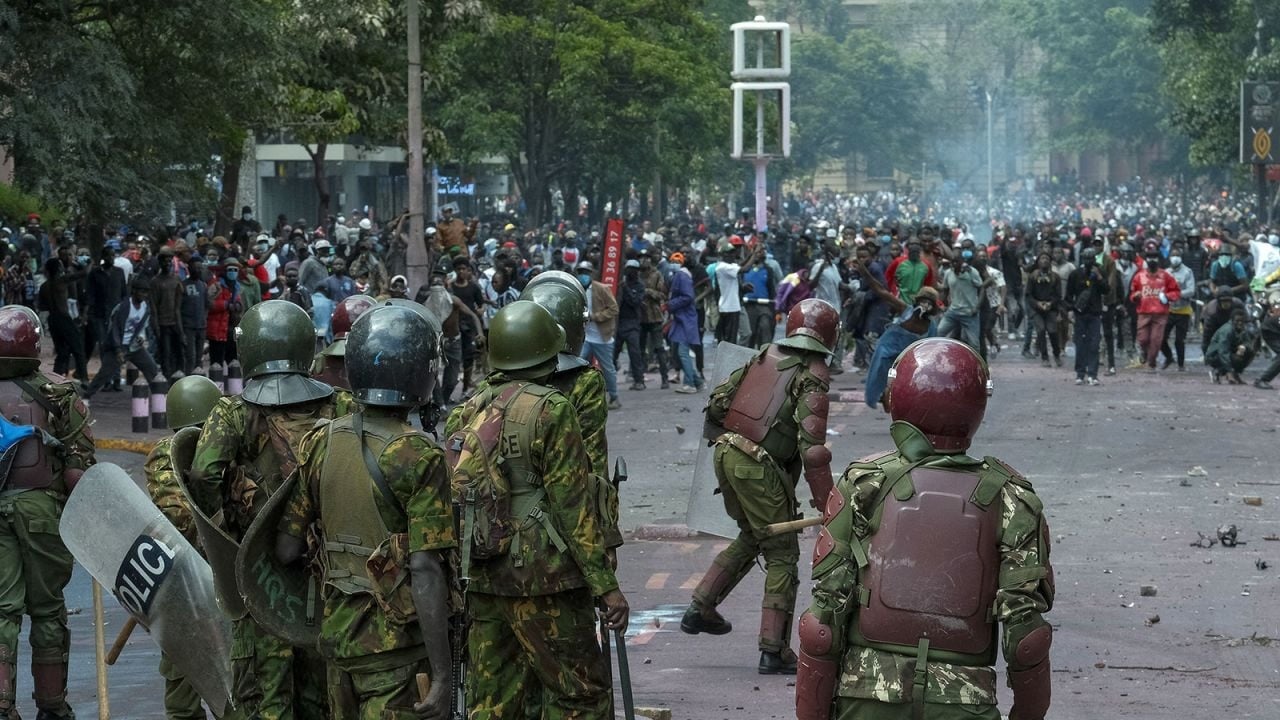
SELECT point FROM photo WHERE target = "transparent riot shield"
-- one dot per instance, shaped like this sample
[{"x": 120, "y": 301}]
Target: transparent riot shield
[
  {"x": 112, "y": 528},
  {"x": 219, "y": 547},
  {"x": 706, "y": 509}
]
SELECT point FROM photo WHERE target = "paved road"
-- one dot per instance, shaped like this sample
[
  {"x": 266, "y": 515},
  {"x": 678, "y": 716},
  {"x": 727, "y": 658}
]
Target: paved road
[{"x": 1112, "y": 465}]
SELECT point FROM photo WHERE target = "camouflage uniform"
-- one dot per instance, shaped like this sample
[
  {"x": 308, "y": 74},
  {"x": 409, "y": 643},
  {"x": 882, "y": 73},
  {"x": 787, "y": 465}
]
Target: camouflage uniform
[
  {"x": 875, "y": 683},
  {"x": 538, "y": 593},
  {"x": 584, "y": 387},
  {"x": 372, "y": 640},
  {"x": 181, "y": 701},
  {"x": 35, "y": 566},
  {"x": 759, "y": 489},
  {"x": 235, "y": 468}
]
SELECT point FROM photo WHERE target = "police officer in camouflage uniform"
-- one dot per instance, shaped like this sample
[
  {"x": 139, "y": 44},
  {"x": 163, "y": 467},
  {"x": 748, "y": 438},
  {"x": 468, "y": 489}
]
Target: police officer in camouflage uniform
[
  {"x": 579, "y": 381},
  {"x": 189, "y": 402},
  {"x": 47, "y": 445},
  {"x": 378, "y": 492},
  {"x": 769, "y": 420},
  {"x": 247, "y": 447},
  {"x": 543, "y": 590},
  {"x": 883, "y": 638},
  {"x": 329, "y": 364}
]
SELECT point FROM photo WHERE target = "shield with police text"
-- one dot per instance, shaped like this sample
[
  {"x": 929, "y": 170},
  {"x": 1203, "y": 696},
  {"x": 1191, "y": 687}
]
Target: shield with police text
[
  {"x": 283, "y": 599},
  {"x": 114, "y": 530},
  {"x": 706, "y": 509}
]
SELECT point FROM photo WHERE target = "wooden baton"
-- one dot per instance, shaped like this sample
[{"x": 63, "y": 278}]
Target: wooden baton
[
  {"x": 118, "y": 646},
  {"x": 791, "y": 526},
  {"x": 424, "y": 686}
]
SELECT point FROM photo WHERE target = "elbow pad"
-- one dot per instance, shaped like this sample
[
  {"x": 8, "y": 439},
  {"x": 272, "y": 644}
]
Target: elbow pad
[{"x": 817, "y": 672}]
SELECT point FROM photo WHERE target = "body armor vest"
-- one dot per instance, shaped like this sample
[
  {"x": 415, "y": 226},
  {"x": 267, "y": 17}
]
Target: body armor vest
[
  {"x": 762, "y": 409},
  {"x": 31, "y": 468},
  {"x": 933, "y": 564},
  {"x": 353, "y": 525}
]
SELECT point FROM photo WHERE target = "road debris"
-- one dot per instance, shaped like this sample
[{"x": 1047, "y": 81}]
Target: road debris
[
  {"x": 1151, "y": 620},
  {"x": 1253, "y": 500},
  {"x": 1147, "y": 591},
  {"x": 1197, "y": 471}
]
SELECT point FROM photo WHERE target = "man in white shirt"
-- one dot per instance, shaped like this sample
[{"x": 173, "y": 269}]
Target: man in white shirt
[{"x": 730, "y": 303}]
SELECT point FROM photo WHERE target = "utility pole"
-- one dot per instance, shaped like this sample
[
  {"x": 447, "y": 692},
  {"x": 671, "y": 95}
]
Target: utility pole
[
  {"x": 990, "y": 164},
  {"x": 417, "y": 256}
]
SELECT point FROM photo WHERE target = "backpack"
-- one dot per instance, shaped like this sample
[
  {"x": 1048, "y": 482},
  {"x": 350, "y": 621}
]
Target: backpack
[{"x": 487, "y": 457}]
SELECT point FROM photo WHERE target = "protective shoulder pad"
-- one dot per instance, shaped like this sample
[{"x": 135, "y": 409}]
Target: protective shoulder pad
[
  {"x": 1001, "y": 466},
  {"x": 874, "y": 461}
]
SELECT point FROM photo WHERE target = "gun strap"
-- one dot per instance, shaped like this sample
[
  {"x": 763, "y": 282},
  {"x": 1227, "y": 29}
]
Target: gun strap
[{"x": 371, "y": 464}]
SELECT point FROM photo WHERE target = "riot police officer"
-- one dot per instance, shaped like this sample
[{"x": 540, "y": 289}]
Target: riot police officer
[
  {"x": 246, "y": 449},
  {"x": 328, "y": 365},
  {"x": 378, "y": 492},
  {"x": 189, "y": 402},
  {"x": 767, "y": 421},
  {"x": 883, "y": 638},
  {"x": 531, "y": 542},
  {"x": 47, "y": 445}
]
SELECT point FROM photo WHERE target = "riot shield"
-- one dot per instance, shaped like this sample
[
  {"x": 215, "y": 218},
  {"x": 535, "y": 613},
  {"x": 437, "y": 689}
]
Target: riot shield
[
  {"x": 219, "y": 547},
  {"x": 283, "y": 599},
  {"x": 127, "y": 545},
  {"x": 706, "y": 509}
]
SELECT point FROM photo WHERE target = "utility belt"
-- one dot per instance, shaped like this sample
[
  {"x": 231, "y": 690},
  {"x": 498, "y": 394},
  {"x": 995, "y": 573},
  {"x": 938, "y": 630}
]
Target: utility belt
[{"x": 526, "y": 509}]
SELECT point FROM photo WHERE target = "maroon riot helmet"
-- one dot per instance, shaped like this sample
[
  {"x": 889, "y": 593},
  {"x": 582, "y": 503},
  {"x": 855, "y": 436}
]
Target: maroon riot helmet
[
  {"x": 812, "y": 325},
  {"x": 940, "y": 387},
  {"x": 19, "y": 341}
]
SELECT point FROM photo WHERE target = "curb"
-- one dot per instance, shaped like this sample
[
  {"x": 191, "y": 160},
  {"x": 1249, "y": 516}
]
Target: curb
[{"x": 141, "y": 447}]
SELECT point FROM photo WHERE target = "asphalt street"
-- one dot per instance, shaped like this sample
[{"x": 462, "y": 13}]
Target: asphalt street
[{"x": 1131, "y": 472}]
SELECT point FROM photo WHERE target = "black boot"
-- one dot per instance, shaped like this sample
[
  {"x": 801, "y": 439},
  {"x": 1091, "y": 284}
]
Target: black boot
[
  {"x": 696, "y": 621},
  {"x": 777, "y": 663}
]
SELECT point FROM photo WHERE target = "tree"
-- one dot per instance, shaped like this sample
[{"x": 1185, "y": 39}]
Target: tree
[
  {"x": 1207, "y": 47},
  {"x": 854, "y": 97},
  {"x": 121, "y": 105},
  {"x": 574, "y": 92}
]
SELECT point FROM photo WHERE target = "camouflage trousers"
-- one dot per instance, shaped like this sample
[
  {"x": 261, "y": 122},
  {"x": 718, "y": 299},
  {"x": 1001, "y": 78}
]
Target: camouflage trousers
[
  {"x": 863, "y": 709},
  {"x": 272, "y": 680},
  {"x": 757, "y": 494},
  {"x": 525, "y": 650},
  {"x": 181, "y": 701},
  {"x": 378, "y": 695},
  {"x": 34, "y": 568}
]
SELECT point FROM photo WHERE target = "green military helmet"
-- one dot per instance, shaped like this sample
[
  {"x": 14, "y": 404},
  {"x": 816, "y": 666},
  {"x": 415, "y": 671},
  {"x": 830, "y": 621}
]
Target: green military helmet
[
  {"x": 558, "y": 277},
  {"x": 276, "y": 340},
  {"x": 523, "y": 335},
  {"x": 568, "y": 307},
  {"x": 190, "y": 401}
]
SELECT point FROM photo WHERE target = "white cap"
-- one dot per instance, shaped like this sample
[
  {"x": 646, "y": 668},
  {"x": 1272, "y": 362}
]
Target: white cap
[
  {"x": 431, "y": 231},
  {"x": 831, "y": 233},
  {"x": 321, "y": 244},
  {"x": 366, "y": 224},
  {"x": 263, "y": 238}
]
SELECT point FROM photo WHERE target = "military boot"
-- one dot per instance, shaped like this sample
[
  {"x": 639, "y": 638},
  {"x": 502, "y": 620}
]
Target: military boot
[
  {"x": 8, "y": 684},
  {"x": 713, "y": 588},
  {"x": 776, "y": 657}
]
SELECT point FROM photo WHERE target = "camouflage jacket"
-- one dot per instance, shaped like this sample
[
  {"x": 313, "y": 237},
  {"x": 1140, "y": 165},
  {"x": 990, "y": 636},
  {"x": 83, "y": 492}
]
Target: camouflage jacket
[
  {"x": 1025, "y": 589},
  {"x": 236, "y": 466},
  {"x": 586, "y": 391},
  {"x": 355, "y": 629},
  {"x": 166, "y": 493},
  {"x": 71, "y": 424},
  {"x": 562, "y": 467}
]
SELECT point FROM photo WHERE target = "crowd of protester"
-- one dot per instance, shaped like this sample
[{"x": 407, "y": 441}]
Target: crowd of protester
[{"x": 1113, "y": 277}]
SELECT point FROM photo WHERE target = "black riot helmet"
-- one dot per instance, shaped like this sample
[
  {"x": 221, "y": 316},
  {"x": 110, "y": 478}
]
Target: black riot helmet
[{"x": 392, "y": 353}]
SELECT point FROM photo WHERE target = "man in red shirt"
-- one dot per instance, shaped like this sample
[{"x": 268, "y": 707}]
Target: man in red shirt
[{"x": 1151, "y": 292}]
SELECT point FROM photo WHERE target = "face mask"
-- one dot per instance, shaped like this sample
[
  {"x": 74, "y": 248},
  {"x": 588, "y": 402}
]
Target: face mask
[
  {"x": 83, "y": 259},
  {"x": 327, "y": 259},
  {"x": 966, "y": 255},
  {"x": 246, "y": 217},
  {"x": 1152, "y": 266},
  {"x": 1274, "y": 240},
  {"x": 585, "y": 280},
  {"x": 1224, "y": 261},
  {"x": 233, "y": 274},
  {"x": 1175, "y": 261}
]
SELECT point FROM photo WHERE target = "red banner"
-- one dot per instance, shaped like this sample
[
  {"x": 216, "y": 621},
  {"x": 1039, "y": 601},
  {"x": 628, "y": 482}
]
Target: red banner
[{"x": 612, "y": 265}]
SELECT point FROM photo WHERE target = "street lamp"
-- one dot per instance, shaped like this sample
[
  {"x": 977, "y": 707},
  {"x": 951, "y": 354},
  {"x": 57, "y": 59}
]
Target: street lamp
[
  {"x": 983, "y": 98},
  {"x": 763, "y": 81}
]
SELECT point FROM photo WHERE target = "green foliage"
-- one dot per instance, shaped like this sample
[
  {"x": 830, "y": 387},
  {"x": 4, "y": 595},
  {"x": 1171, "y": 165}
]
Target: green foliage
[
  {"x": 15, "y": 205},
  {"x": 1207, "y": 48},
  {"x": 579, "y": 93},
  {"x": 856, "y": 96}
]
